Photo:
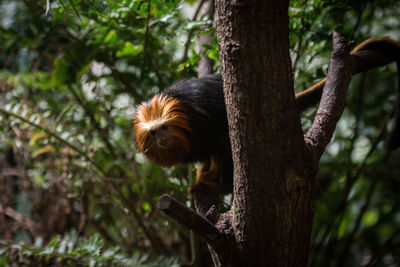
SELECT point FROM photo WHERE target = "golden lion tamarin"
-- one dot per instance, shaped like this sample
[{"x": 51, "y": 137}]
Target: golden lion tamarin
[{"x": 187, "y": 123}]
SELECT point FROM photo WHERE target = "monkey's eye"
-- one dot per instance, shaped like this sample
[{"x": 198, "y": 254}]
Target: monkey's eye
[
  {"x": 152, "y": 132},
  {"x": 164, "y": 127}
]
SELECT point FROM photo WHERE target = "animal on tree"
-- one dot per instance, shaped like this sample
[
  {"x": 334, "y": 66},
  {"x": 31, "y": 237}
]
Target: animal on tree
[{"x": 187, "y": 123}]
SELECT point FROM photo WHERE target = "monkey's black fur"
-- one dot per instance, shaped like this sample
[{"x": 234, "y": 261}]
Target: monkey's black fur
[{"x": 203, "y": 100}]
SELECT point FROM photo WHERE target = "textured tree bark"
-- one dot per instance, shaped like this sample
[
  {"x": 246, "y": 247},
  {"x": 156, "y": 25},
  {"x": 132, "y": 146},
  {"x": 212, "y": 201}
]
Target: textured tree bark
[{"x": 273, "y": 204}]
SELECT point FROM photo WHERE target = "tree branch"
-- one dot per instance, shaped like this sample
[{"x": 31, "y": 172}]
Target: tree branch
[
  {"x": 333, "y": 97},
  {"x": 188, "y": 218},
  {"x": 205, "y": 63}
]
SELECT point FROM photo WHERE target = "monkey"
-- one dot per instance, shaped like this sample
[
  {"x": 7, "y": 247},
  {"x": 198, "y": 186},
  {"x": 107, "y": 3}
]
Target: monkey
[{"x": 187, "y": 122}]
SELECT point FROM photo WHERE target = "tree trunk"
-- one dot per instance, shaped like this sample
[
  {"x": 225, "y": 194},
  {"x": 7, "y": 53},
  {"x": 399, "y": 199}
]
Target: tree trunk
[
  {"x": 273, "y": 203},
  {"x": 270, "y": 220}
]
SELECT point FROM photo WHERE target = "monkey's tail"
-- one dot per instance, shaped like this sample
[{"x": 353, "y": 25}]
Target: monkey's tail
[{"x": 372, "y": 53}]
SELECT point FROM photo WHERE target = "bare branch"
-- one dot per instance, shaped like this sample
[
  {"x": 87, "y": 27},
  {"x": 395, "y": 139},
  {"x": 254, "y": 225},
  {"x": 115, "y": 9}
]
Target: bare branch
[
  {"x": 188, "y": 218},
  {"x": 333, "y": 98}
]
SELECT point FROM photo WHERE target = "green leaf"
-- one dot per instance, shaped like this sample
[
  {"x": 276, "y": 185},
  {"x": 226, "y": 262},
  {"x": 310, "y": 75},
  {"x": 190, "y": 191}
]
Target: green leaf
[
  {"x": 370, "y": 217},
  {"x": 111, "y": 37},
  {"x": 191, "y": 2},
  {"x": 146, "y": 206},
  {"x": 60, "y": 74},
  {"x": 51, "y": 247},
  {"x": 214, "y": 55},
  {"x": 129, "y": 49}
]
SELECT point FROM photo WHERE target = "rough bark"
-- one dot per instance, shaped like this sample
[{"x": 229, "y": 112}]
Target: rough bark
[
  {"x": 333, "y": 98},
  {"x": 273, "y": 206}
]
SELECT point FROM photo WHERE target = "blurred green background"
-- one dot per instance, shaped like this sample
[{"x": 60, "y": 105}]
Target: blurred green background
[{"x": 75, "y": 191}]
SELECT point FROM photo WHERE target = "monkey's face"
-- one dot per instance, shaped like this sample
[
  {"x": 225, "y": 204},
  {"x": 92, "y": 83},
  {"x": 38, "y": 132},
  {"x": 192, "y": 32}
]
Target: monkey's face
[
  {"x": 159, "y": 132},
  {"x": 162, "y": 130}
]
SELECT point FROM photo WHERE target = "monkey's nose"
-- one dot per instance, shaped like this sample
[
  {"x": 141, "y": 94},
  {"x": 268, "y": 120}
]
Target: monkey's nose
[{"x": 163, "y": 142}]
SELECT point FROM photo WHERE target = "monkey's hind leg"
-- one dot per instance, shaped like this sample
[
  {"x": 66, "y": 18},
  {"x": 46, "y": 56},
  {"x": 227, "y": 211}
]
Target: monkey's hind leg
[{"x": 207, "y": 176}]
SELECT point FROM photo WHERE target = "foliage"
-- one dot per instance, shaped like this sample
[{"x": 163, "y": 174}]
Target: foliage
[
  {"x": 72, "y": 72},
  {"x": 70, "y": 78},
  {"x": 73, "y": 252}
]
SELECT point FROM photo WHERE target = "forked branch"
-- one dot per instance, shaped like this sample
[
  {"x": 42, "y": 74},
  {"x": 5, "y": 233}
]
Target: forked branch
[{"x": 333, "y": 98}]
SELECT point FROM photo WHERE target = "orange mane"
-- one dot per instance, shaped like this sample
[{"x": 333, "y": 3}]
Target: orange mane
[{"x": 167, "y": 110}]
